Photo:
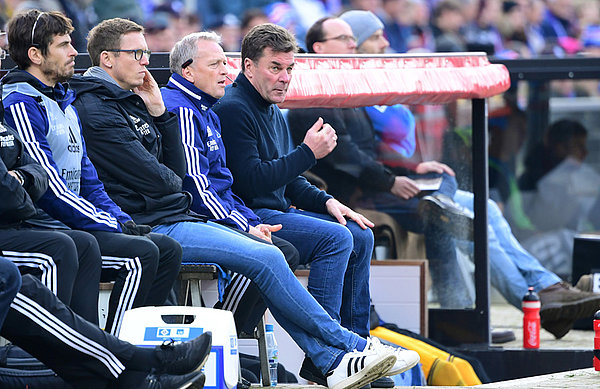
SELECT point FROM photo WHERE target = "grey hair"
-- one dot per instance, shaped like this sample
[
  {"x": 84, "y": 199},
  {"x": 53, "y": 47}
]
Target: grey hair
[{"x": 187, "y": 48}]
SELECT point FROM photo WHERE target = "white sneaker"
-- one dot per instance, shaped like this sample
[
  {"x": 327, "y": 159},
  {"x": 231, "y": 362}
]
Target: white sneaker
[
  {"x": 405, "y": 359},
  {"x": 358, "y": 368}
]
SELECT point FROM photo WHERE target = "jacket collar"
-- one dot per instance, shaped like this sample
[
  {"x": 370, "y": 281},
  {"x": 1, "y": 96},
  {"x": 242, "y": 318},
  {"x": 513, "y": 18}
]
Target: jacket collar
[
  {"x": 61, "y": 93},
  {"x": 201, "y": 99},
  {"x": 244, "y": 84}
]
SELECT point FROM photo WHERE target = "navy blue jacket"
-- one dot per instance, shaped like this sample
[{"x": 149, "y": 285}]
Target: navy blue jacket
[
  {"x": 139, "y": 157},
  {"x": 265, "y": 164},
  {"x": 17, "y": 200}
]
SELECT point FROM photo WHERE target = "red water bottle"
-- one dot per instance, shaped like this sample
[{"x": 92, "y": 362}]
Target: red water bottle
[
  {"x": 597, "y": 341},
  {"x": 531, "y": 319}
]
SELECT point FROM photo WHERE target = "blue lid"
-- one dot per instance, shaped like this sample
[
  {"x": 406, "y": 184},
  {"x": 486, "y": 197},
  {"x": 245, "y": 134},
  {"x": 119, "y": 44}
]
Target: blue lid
[{"x": 269, "y": 327}]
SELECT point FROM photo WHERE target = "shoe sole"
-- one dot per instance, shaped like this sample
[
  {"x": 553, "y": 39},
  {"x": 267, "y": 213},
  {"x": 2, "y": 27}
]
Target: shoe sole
[
  {"x": 459, "y": 226},
  {"x": 199, "y": 377},
  {"x": 575, "y": 310},
  {"x": 368, "y": 374},
  {"x": 403, "y": 369},
  {"x": 309, "y": 376}
]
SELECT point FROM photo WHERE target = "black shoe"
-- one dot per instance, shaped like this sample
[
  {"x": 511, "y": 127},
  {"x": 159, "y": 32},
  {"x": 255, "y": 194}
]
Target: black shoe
[
  {"x": 562, "y": 301},
  {"x": 502, "y": 336},
  {"x": 443, "y": 212},
  {"x": 166, "y": 381},
  {"x": 558, "y": 328},
  {"x": 184, "y": 357},
  {"x": 311, "y": 373}
]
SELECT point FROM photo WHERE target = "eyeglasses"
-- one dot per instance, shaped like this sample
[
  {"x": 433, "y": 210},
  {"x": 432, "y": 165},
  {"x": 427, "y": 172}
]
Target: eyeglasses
[
  {"x": 33, "y": 29},
  {"x": 341, "y": 38},
  {"x": 137, "y": 53}
]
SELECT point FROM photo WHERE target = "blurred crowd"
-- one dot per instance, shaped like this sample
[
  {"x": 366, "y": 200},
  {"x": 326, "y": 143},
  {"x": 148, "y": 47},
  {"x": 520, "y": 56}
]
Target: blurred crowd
[{"x": 503, "y": 28}]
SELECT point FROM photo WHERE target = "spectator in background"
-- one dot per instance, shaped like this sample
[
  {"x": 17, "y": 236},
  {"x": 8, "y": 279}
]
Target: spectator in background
[
  {"x": 398, "y": 23},
  {"x": 130, "y": 9},
  {"x": 160, "y": 32},
  {"x": 252, "y": 17},
  {"x": 534, "y": 15},
  {"x": 512, "y": 27},
  {"x": 447, "y": 20},
  {"x": 230, "y": 31},
  {"x": 482, "y": 34},
  {"x": 421, "y": 37},
  {"x": 559, "y": 27}
]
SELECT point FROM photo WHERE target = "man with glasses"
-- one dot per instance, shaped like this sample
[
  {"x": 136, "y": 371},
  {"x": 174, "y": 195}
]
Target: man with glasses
[
  {"x": 136, "y": 145},
  {"x": 38, "y": 105}
]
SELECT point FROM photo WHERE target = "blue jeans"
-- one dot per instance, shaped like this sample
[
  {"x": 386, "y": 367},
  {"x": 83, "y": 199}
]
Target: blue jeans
[
  {"x": 318, "y": 335},
  {"x": 10, "y": 283},
  {"x": 512, "y": 268},
  {"x": 440, "y": 247},
  {"x": 340, "y": 261}
]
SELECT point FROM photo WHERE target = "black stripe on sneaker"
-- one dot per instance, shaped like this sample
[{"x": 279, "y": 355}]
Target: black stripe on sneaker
[
  {"x": 349, "y": 367},
  {"x": 362, "y": 362},
  {"x": 356, "y": 361}
]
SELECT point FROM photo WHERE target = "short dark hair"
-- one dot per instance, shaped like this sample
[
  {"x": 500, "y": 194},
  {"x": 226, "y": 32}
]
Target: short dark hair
[
  {"x": 445, "y": 6},
  {"x": 22, "y": 36},
  {"x": 315, "y": 33},
  {"x": 562, "y": 131},
  {"x": 107, "y": 36},
  {"x": 266, "y": 35}
]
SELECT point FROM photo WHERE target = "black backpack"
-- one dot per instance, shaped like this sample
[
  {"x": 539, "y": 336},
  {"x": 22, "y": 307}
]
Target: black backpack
[{"x": 19, "y": 370}]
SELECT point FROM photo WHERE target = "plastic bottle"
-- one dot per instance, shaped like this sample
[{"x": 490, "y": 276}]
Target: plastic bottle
[
  {"x": 272, "y": 352},
  {"x": 531, "y": 319},
  {"x": 597, "y": 341}
]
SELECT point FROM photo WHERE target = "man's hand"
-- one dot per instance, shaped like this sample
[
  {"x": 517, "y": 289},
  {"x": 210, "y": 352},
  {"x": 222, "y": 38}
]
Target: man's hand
[
  {"x": 341, "y": 212},
  {"x": 150, "y": 93},
  {"x": 434, "y": 167},
  {"x": 405, "y": 188},
  {"x": 321, "y": 139},
  {"x": 130, "y": 228},
  {"x": 263, "y": 231}
]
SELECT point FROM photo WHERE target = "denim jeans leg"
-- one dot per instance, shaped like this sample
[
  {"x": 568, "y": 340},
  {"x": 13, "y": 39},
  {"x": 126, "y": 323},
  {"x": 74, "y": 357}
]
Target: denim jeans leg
[
  {"x": 10, "y": 283},
  {"x": 448, "y": 280},
  {"x": 321, "y": 337},
  {"x": 513, "y": 269},
  {"x": 339, "y": 257}
]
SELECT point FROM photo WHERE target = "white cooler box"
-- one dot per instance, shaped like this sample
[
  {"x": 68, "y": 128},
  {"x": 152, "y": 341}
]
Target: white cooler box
[{"x": 146, "y": 327}]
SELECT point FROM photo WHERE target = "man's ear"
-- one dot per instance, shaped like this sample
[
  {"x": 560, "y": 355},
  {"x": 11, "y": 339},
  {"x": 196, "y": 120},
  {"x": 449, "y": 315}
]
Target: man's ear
[
  {"x": 106, "y": 60},
  {"x": 317, "y": 47},
  {"x": 248, "y": 67},
  {"x": 188, "y": 74},
  {"x": 35, "y": 55}
]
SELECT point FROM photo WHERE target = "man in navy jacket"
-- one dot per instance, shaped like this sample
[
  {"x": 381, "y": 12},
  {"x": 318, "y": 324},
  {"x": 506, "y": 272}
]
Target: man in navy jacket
[{"x": 38, "y": 106}]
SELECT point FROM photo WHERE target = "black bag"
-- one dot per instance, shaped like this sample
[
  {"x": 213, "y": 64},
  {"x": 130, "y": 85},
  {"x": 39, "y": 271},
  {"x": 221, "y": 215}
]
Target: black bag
[{"x": 20, "y": 370}]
